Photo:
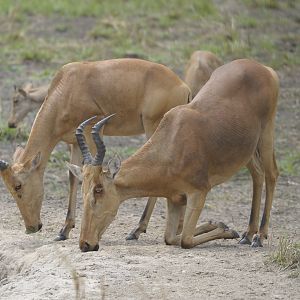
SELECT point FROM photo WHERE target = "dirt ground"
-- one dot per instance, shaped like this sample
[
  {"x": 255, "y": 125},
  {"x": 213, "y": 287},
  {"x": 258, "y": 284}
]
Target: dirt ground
[{"x": 36, "y": 267}]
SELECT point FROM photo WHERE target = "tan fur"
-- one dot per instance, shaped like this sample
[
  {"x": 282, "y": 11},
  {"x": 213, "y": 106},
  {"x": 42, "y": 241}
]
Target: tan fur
[
  {"x": 199, "y": 69},
  {"x": 25, "y": 99},
  {"x": 138, "y": 91},
  {"x": 195, "y": 147}
]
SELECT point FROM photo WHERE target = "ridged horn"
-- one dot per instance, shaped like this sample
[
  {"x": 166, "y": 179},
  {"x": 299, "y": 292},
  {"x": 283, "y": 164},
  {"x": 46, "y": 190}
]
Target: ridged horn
[
  {"x": 99, "y": 157},
  {"x": 87, "y": 156},
  {"x": 3, "y": 165}
]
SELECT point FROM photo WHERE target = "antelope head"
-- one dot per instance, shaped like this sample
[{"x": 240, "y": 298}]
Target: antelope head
[
  {"x": 100, "y": 197},
  {"x": 21, "y": 105},
  {"x": 25, "y": 183}
]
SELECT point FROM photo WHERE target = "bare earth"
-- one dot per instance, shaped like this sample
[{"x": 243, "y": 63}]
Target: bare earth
[{"x": 35, "y": 267}]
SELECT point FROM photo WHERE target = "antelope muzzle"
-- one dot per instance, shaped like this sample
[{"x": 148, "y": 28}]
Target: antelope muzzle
[
  {"x": 33, "y": 229},
  {"x": 85, "y": 247}
]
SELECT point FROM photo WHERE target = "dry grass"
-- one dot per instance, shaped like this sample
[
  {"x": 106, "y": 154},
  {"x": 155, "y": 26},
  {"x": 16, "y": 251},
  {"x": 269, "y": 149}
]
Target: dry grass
[{"x": 287, "y": 256}]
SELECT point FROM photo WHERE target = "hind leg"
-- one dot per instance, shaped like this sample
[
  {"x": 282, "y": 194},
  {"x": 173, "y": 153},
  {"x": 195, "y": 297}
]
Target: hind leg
[
  {"x": 257, "y": 173},
  {"x": 271, "y": 175},
  {"x": 73, "y": 181},
  {"x": 271, "y": 179}
]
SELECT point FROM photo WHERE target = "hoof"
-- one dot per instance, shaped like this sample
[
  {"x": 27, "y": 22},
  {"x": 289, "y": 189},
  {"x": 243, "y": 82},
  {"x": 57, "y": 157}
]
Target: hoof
[
  {"x": 244, "y": 241},
  {"x": 60, "y": 237},
  {"x": 235, "y": 235},
  {"x": 256, "y": 242},
  {"x": 132, "y": 236}
]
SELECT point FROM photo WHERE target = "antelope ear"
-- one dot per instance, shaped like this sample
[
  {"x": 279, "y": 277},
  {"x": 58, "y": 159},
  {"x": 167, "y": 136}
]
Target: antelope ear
[
  {"x": 113, "y": 166},
  {"x": 27, "y": 86},
  {"x": 33, "y": 163},
  {"x": 75, "y": 170},
  {"x": 22, "y": 92},
  {"x": 18, "y": 152}
]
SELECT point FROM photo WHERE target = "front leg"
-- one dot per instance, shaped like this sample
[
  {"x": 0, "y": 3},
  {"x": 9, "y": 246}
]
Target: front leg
[
  {"x": 73, "y": 183},
  {"x": 144, "y": 221},
  {"x": 174, "y": 216}
]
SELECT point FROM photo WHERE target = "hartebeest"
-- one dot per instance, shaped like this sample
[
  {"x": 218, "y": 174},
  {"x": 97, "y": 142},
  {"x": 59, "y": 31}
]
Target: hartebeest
[
  {"x": 26, "y": 99},
  {"x": 140, "y": 92},
  {"x": 229, "y": 124},
  {"x": 199, "y": 69}
]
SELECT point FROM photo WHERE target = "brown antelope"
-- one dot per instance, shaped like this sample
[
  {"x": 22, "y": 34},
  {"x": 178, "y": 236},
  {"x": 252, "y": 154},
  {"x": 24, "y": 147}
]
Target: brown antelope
[
  {"x": 229, "y": 124},
  {"x": 140, "y": 92},
  {"x": 26, "y": 99},
  {"x": 199, "y": 69}
]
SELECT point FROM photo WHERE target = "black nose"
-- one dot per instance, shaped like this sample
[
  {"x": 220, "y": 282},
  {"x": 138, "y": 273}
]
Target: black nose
[
  {"x": 12, "y": 125},
  {"x": 87, "y": 247}
]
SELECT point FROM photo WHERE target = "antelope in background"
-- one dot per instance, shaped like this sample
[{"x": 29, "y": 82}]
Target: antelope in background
[
  {"x": 199, "y": 69},
  {"x": 140, "y": 92},
  {"x": 228, "y": 125},
  {"x": 26, "y": 99}
]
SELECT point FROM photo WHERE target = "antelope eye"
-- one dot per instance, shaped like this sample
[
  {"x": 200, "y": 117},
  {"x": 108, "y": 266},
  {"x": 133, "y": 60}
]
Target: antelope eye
[
  {"x": 18, "y": 187},
  {"x": 98, "y": 189},
  {"x": 16, "y": 101}
]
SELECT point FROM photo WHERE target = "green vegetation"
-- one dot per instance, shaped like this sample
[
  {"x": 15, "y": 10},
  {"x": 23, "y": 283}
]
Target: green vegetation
[
  {"x": 96, "y": 8},
  {"x": 11, "y": 134},
  {"x": 162, "y": 31},
  {"x": 58, "y": 159},
  {"x": 123, "y": 152},
  {"x": 289, "y": 163},
  {"x": 287, "y": 256}
]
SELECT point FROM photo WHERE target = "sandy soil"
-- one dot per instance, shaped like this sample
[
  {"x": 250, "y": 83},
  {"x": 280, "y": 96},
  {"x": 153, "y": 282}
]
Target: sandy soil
[{"x": 35, "y": 267}]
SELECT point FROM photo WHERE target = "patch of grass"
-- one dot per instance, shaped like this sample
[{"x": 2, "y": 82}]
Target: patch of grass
[
  {"x": 58, "y": 159},
  {"x": 101, "y": 8},
  {"x": 272, "y": 4},
  {"x": 100, "y": 31},
  {"x": 289, "y": 163},
  {"x": 13, "y": 134},
  {"x": 62, "y": 28},
  {"x": 287, "y": 256},
  {"x": 36, "y": 55},
  {"x": 247, "y": 22}
]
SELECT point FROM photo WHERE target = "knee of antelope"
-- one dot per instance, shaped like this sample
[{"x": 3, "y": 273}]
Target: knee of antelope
[{"x": 187, "y": 243}]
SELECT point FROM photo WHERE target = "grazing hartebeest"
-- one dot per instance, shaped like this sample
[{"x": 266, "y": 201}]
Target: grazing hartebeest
[
  {"x": 229, "y": 124},
  {"x": 140, "y": 92},
  {"x": 26, "y": 99},
  {"x": 199, "y": 69}
]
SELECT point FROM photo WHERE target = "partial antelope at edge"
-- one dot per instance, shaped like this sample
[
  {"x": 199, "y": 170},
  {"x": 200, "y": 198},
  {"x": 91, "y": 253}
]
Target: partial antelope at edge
[
  {"x": 228, "y": 125},
  {"x": 199, "y": 69},
  {"x": 138, "y": 91},
  {"x": 25, "y": 99}
]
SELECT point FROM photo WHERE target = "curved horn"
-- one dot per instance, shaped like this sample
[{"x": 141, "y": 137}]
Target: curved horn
[
  {"x": 87, "y": 157},
  {"x": 3, "y": 165},
  {"x": 98, "y": 160}
]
